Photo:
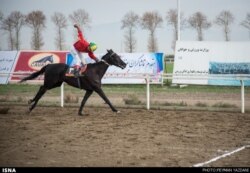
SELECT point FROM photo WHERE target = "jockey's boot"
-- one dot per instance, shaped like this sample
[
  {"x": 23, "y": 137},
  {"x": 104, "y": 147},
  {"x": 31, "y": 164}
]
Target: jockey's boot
[{"x": 77, "y": 71}]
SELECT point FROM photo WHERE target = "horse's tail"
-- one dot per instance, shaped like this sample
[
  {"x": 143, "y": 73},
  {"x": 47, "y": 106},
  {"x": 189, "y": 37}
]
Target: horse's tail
[{"x": 34, "y": 75}]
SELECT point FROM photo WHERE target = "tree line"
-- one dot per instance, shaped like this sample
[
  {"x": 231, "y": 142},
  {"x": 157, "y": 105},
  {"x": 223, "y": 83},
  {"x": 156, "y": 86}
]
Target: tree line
[{"x": 36, "y": 21}]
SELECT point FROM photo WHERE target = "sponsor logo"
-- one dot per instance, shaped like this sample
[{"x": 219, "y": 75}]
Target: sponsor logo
[
  {"x": 7, "y": 170},
  {"x": 37, "y": 61}
]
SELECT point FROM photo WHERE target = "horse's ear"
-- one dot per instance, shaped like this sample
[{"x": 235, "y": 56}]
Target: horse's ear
[{"x": 108, "y": 51}]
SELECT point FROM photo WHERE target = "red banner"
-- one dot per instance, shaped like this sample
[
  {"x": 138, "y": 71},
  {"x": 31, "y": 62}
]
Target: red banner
[{"x": 30, "y": 61}]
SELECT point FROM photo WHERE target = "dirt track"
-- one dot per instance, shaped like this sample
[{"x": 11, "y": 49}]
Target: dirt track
[{"x": 53, "y": 136}]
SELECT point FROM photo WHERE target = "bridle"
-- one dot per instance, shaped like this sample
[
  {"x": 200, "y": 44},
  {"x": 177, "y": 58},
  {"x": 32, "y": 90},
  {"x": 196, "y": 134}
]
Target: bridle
[
  {"x": 105, "y": 62},
  {"x": 112, "y": 54}
]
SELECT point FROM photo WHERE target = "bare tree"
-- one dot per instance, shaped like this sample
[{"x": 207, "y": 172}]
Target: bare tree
[
  {"x": 199, "y": 22},
  {"x": 80, "y": 17},
  {"x": 61, "y": 23},
  {"x": 130, "y": 21},
  {"x": 1, "y": 16},
  {"x": 1, "y": 20},
  {"x": 36, "y": 21},
  {"x": 18, "y": 21},
  {"x": 7, "y": 26},
  {"x": 151, "y": 21},
  {"x": 172, "y": 19},
  {"x": 246, "y": 23},
  {"x": 224, "y": 19}
]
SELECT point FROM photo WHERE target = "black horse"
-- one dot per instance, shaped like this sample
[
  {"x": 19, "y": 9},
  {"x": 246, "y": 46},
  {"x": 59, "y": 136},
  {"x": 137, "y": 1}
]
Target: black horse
[{"x": 54, "y": 76}]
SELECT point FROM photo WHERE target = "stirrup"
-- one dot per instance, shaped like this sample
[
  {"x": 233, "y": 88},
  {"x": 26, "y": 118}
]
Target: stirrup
[{"x": 77, "y": 73}]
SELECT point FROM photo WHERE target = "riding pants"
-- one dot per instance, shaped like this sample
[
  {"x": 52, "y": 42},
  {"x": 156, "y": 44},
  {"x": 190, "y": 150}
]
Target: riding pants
[{"x": 78, "y": 58}]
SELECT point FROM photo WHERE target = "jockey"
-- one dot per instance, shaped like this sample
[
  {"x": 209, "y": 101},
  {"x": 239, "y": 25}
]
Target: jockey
[{"x": 81, "y": 46}]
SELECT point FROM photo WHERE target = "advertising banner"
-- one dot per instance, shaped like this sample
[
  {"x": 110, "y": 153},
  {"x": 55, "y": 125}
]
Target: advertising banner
[
  {"x": 30, "y": 61},
  {"x": 203, "y": 58},
  {"x": 7, "y": 61},
  {"x": 137, "y": 64}
]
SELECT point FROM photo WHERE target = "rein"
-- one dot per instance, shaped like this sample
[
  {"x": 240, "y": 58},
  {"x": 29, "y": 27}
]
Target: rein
[{"x": 105, "y": 62}]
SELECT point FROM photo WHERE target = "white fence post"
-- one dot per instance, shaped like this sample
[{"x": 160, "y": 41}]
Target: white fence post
[
  {"x": 148, "y": 92},
  {"x": 242, "y": 96},
  {"x": 62, "y": 95}
]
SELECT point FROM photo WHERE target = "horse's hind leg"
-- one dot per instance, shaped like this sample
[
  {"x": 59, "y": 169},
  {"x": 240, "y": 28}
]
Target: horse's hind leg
[
  {"x": 39, "y": 94},
  {"x": 32, "y": 100},
  {"x": 84, "y": 100}
]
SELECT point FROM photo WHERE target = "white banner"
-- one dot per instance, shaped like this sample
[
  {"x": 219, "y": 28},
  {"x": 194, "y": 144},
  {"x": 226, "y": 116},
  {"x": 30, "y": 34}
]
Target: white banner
[
  {"x": 205, "y": 58},
  {"x": 7, "y": 60},
  {"x": 137, "y": 64}
]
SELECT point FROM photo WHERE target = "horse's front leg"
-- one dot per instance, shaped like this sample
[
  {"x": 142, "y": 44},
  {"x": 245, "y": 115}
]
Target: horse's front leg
[
  {"x": 84, "y": 100},
  {"x": 104, "y": 97}
]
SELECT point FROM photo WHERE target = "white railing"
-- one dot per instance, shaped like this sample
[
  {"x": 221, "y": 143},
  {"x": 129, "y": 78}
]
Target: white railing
[
  {"x": 148, "y": 77},
  {"x": 240, "y": 77}
]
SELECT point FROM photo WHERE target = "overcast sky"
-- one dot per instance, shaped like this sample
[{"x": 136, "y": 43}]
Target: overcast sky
[{"x": 106, "y": 16}]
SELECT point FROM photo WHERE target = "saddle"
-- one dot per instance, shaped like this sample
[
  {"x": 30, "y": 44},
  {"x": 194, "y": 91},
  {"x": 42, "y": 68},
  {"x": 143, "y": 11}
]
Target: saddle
[{"x": 71, "y": 71}]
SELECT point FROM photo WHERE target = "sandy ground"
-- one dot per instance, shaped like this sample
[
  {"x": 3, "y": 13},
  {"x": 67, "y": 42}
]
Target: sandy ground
[{"x": 54, "y": 136}]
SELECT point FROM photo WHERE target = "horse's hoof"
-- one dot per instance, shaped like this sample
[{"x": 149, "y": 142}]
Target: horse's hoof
[
  {"x": 80, "y": 114},
  {"x": 118, "y": 112},
  {"x": 31, "y": 108}
]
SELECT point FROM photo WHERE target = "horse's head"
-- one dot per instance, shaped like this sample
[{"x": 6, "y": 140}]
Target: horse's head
[{"x": 112, "y": 58}]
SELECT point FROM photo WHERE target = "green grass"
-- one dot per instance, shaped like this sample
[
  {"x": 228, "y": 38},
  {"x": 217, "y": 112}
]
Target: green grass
[
  {"x": 23, "y": 89},
  {"x": 169, "y": 67}
]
